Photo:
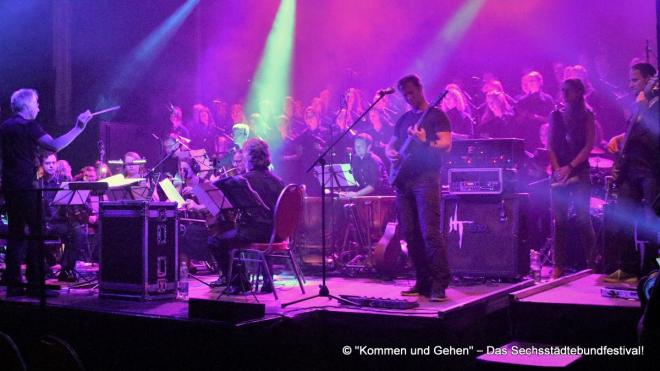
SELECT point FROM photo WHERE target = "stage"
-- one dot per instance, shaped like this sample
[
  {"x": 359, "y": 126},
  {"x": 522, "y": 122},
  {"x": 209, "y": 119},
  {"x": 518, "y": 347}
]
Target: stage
[{"x": 121, "y": 334}]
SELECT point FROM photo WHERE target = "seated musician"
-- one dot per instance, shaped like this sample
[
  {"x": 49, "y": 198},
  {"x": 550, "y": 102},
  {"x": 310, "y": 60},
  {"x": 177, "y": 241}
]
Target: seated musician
[
  {"x": 238, "y": 162},
  {"x": 89, "y": 174},
  {"x": 67, "y": 222},
  {"x": 250, "y": 227},
  {"x": 225, "y": 149},
  {"x": 135, "y": 170},
  {"x": 368, "y": 169},
  {"x": 132, "y": 170},
  {"x": 186, "y": 179}
]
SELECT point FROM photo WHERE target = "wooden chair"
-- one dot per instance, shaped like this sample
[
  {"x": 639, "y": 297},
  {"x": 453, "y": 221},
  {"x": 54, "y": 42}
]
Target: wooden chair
[{"x": 286, "y": 218}]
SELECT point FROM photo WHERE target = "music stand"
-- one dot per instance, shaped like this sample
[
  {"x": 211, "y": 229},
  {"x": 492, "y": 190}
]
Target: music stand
[
  {"x": 70, "y": 197},
  {"x": 200, "y": 157},
  {"x": 340, "y": 176},
  {"x": 77, "y": 193},
  {"x": 140, "y": 193},
  {"x": 96, "y": 188},
  {"x": 212, "y": 198},
  {"x": 239, "y": 193}
]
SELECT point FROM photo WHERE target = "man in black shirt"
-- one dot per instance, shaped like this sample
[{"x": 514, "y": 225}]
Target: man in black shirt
[
  {"x": 20, "y": 139},
  {"x": 418, "y": 193},
  {"x": 638, "y": 181},
  {"x": 532, "y": 110},
  {"x": 252, "y": 225},
  {"x": 368, "y": 169},
  {"x": 67, "y": 222}
]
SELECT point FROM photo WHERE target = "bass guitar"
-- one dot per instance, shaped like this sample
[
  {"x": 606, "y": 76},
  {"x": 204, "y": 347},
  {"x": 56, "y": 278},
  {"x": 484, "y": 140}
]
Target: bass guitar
[{"x": 398, "y": 167}]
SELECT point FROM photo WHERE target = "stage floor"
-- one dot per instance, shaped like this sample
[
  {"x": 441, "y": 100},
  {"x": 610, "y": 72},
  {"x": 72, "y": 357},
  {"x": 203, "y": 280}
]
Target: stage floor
[
  {"x": 458, "y": 297},
  {"x": 584, "y": 290},
  {"x": 477, "y": 315}
]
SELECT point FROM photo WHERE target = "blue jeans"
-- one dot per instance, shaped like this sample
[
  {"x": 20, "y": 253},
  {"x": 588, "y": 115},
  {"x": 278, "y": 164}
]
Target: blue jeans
[{"x": 418, "y": 206}]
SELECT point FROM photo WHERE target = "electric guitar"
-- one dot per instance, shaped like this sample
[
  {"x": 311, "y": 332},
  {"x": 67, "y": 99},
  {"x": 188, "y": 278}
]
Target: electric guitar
[{"x": 405, "y": 150}]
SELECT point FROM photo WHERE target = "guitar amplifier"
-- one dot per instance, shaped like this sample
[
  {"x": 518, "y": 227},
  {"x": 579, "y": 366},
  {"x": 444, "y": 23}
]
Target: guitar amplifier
[
  {"x": 475, "y": 181},
  {"x": 139, "y": 255},
  {"x": 482, "y": 153},
  {"x": 486, "y": 235}
]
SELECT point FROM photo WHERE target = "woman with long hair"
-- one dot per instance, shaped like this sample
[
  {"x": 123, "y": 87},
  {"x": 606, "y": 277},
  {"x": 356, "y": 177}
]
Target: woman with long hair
[
  {"x": 497, "y": 120},
  {"x": 572, "y": 133},
  {"x": 455, "y": 106}
]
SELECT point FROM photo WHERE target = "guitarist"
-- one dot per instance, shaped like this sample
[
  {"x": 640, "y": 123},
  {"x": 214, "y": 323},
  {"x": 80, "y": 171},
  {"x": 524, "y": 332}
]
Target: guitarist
[
  {"x": 418, "y": 187},
  {"x": 638, "y": 176}
]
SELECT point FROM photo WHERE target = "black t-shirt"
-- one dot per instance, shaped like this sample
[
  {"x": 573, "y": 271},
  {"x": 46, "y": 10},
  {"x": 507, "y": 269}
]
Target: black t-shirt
[
  {"x": 20, "y": 152},
  {"x": 423, "y": 159},
  {"x": 568, "y": 135},
  {"x": 369, "y": 171},
  {"x": 540, "y": 104}
]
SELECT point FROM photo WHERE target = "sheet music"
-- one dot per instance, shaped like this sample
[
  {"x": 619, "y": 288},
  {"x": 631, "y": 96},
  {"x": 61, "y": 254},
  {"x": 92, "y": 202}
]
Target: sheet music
[
  {"x": 120, "y": 181},
  {"x": 343, "y": 175},
  {"x": 171, "y": 192}
]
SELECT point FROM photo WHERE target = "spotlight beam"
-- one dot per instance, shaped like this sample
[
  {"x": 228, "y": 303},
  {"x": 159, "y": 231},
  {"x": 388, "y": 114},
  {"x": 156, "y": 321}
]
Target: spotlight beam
[{"x": 272, "y": 79}]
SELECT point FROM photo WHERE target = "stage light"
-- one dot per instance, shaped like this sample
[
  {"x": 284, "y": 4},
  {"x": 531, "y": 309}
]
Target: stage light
[
  {"x": 146, "y": 52},
  {"x": 437, "y": 53},
  {"x": 272, "y": 79}
]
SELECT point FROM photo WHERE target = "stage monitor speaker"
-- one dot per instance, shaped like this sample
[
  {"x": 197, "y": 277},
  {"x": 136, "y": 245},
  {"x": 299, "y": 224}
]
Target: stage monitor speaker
[{"x": 486, "y": 235}]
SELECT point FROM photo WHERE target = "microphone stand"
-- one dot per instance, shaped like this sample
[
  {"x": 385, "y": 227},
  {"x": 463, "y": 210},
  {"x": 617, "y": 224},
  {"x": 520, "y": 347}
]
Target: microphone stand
[
  {"x": 154, "y": 175},
  {"x": 323, "y": 288}
]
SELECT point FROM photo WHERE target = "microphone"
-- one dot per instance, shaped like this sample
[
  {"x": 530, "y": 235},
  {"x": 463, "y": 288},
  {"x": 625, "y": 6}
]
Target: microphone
[{"x": 386, "y": 91}]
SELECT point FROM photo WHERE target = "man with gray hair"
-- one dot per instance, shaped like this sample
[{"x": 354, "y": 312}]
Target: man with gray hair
[
  {"x": 21, "y": 139},
  {"x": 253, "y": 226}
]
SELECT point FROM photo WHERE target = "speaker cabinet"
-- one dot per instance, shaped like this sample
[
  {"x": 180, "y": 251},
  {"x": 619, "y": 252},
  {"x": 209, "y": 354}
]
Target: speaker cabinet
[{"x": 486, "y": 235}]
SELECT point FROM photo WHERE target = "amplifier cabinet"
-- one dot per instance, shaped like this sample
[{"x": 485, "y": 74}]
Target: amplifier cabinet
[
  {"x": 486, "y": 235},
  {"x": 475, "y": 181},
  {"x": 139, "y": 255},
  {"x": 504, "y": 153}
]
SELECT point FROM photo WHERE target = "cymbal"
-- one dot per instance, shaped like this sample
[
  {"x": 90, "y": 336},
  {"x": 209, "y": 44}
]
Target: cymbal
[
  {"x": 597, "y": 151},
  {"x": 600, "y": 162}
]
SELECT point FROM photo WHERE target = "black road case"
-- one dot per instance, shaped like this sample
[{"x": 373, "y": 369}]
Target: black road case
[{"x": 139, "y": 250}]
